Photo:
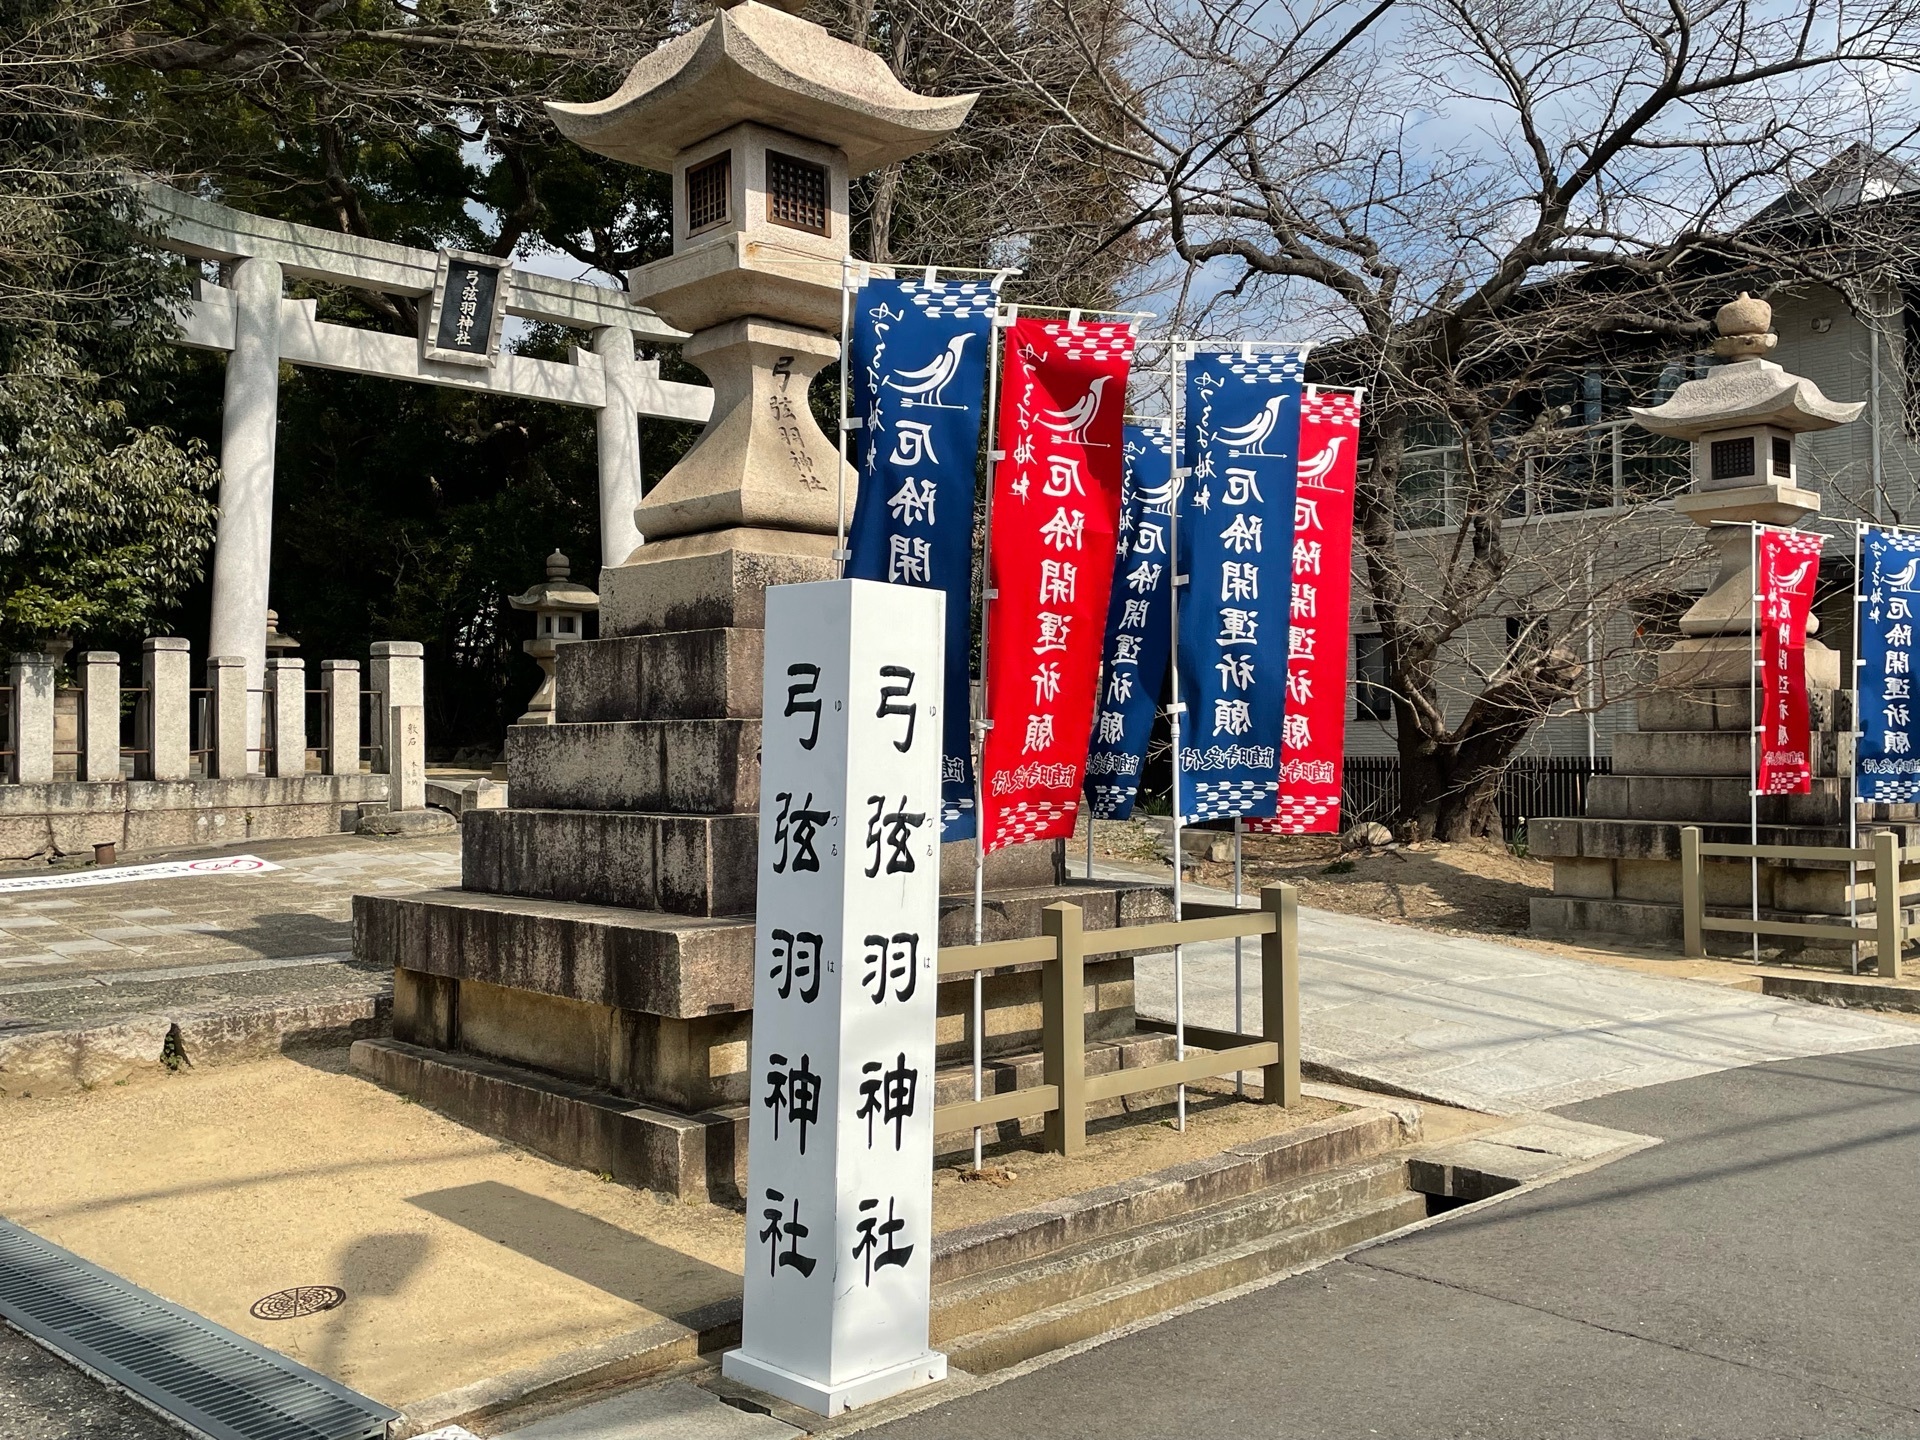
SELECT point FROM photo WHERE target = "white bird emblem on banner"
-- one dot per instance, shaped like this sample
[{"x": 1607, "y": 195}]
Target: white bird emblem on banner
[
  {"x": 1248, "y": 438},
  {"x": 1902, "y": 579},
  {"x": 930, "y": 381},
  {"x": 1073, "y": 423},
  {"x": 1315, "y": 468},
  {"x": 1789, "y": 583}
]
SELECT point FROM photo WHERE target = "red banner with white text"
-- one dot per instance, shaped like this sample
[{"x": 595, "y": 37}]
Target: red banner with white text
[
  {"x": 1056, "y": 511},
  {"x": 1313, "y": 735},
  {"x": 1787, "y": 564}
]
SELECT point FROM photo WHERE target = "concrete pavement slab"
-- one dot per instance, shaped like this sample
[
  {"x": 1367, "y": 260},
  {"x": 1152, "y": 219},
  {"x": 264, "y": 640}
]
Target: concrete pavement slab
[
  {"x": 1499, "y": 1028},
  {"x": 678, "y": 1410}
]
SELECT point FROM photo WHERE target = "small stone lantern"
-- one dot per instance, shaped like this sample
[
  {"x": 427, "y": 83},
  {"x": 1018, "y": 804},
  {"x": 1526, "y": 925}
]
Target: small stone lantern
[
  {"x": 1741, "y": 419},
  {"x": 278, "y": 644},
  {"x": 560, "y": 608}
]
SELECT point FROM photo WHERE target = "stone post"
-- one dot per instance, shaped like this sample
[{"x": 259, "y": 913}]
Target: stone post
[
  {"x": 287, "y": 691},
  {"x": 340, "y": 715},
  {"x": 99, "y": 715},
  {"x": 618, "y": 426},
  {"x": 227, "y": 757},
  {"x": 243, "y": 545},
  {"x": 30, "y": 720},
  {"x": 166, "y": 721},
  {"x": 397, "y": 675},
  {"x": 407, "y": 757}
]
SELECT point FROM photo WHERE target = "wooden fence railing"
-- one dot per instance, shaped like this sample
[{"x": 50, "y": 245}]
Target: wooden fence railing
[
  {"x": 1063, "y": 946},
  {"x": 1884, "y": 928}
]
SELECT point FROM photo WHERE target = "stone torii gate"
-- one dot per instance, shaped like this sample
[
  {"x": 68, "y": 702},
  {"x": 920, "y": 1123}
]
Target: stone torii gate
[{"x": 467, "y": 299}]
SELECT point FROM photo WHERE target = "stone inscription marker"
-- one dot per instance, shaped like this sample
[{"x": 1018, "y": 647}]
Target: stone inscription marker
[{"x": 840, "y": 1153}]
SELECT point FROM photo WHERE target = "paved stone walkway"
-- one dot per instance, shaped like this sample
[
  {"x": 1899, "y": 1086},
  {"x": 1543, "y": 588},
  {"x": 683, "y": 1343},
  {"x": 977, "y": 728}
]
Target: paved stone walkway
[
  {"x": 93, "y": 953},
  {"x": 1501, "y": 1028}
]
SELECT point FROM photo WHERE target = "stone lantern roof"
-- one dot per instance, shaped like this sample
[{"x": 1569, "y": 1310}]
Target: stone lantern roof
[
  {"x": 1747, "y": 391},
  {"x": 755, "y": 63},
  {"x": 559, "y": 592}
]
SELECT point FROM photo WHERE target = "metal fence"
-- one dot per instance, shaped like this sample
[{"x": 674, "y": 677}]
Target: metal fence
[{"x": 1533, "y": 787}]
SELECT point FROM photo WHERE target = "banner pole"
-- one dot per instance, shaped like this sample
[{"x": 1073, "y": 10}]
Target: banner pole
[
  {"x": 1239, "y": 970},
  {"x": 840, "y": 553},
  {"x": 981, "y": 722},
  {"x": 1756, "y": 726},
  {"x": 1853, "y": 763},
  {"x": 1174, "y": 713}
]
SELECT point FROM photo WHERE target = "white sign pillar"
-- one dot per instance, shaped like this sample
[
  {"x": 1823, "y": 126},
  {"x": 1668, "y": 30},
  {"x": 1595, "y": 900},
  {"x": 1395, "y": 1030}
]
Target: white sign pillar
[
  {"x": 249, "y": 425},
  {"x": 840, "y": 1144}
]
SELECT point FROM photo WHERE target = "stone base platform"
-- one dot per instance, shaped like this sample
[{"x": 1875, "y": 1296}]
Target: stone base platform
[{"x": 692, "y": 1156}]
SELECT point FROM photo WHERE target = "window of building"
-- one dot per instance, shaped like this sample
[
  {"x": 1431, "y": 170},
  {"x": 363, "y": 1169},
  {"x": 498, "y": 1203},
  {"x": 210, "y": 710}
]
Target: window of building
[
  {"x": 708, "y": 186},
  {"x": 796, "y": 193},
  {"x": 1372, "y": 688},
  {"x": 1526, "y": 638}
]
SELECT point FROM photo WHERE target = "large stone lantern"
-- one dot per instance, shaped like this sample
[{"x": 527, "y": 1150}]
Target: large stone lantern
[
  {"x": 560, "y": 608},
  {"x": 1741, "y": 420},
  {"x": 762, "y": 119}
]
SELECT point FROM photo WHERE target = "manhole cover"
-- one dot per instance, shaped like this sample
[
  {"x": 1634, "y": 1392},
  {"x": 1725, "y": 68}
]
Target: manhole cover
[{"x": 300, "y": 1300}]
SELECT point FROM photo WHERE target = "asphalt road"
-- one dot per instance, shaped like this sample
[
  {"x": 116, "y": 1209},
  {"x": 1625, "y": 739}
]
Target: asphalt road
[
  {"x": 44, "y": 1398},
  {"x": 1757, "y": 1275}
]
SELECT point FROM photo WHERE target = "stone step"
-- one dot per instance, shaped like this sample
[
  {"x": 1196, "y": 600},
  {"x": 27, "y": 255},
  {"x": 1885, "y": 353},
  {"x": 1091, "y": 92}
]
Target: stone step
[
  {"x": 1208, "y": 1271},
  {"x": 1730, "y": 709},
  {"x": 997, "y": 1298},
  {"x": 675, "y": 675},
  {"x": 1571, "y": 917},
  {"x": 1601, "y": 838},
  {"x": 681, "y": 767},
  {"x": 692, "y": 1157},
  {"x": 662, "y": 964},
  {"x": 1710, "y": 799},
  {"x": 678, "y": 864},
  {"x": 1700, "y": 752}
]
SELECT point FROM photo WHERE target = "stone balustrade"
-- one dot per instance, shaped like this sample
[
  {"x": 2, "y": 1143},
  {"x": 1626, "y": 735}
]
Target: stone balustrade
[{"x": 190, "y": 768}]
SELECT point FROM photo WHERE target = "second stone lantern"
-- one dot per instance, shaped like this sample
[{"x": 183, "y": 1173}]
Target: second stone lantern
[{"x": 762, "y": 119}]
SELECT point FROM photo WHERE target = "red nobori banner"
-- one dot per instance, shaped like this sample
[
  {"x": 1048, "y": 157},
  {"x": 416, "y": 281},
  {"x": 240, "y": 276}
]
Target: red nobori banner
[
  {"x": 1786, "y": 565},
  {"x": 1313, "y": 735},
  {"x": 1056, "y": 509}
]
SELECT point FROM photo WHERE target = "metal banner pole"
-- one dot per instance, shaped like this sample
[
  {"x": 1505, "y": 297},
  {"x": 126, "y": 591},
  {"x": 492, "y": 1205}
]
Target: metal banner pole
[
  {"x": 1757, "y": 728},
  {"x": 840, "y": 553},
  {"x": 1174, "y": 712},
  {"x": 1853, "y": 763},
  {"x": 1239, "y": 943},
  {"x": 1001, "y": 318}
]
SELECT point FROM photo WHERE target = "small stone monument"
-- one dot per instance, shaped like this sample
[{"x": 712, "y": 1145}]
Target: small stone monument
[
  {"x": 560, "y": 608},
  {"x": 1616, "y": 869}
]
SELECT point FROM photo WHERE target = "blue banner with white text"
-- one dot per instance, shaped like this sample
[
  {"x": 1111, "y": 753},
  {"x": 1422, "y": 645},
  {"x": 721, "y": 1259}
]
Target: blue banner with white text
[
  {"x": 1887, "y": 755},
  {"x": 1139, "y": 630},
  {"x": 1242, "y": 445},
  {"x": 919, "y": 380}
]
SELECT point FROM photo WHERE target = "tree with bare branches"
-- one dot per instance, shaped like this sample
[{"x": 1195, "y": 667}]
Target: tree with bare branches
[{"x": 1484, "y": 208}]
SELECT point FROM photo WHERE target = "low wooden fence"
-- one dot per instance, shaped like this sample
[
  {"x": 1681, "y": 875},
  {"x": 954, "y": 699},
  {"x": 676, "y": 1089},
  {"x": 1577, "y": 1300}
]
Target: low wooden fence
[
  {"x": 1063, "y": 946},
  {"x": 1884, "y": 930}
]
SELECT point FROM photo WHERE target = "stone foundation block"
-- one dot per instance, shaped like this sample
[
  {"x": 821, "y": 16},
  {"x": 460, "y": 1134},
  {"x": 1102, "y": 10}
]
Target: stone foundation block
[
  {"x": 677, "y": 864},
  {"x": 685, "y": 767},
  {"x": 708, "y": 582},
  {"x": 675, "y": 675}
]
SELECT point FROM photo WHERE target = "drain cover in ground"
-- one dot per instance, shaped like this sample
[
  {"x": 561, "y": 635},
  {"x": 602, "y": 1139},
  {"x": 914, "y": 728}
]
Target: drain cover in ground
[{"x": 300, "y": 1300}]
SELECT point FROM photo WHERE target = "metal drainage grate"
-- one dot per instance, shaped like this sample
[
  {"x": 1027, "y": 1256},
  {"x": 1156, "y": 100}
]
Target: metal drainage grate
[{"x": 218, "y": 1382}]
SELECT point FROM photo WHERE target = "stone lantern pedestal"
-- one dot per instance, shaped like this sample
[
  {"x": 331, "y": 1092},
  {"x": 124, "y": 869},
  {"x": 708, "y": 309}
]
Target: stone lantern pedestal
[
  {"x": 588, "y": 991},
  {"x": 1616, "y": 869}
]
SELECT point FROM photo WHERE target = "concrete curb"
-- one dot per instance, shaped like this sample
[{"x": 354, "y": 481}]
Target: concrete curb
[
  {"x": 79, "y": 1056},
  {"x": 1847, "y": 994}
]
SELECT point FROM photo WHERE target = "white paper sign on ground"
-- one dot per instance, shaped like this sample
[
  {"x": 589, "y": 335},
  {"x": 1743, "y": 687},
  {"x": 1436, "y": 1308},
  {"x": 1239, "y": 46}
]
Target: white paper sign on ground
[
  {"x": 840, "y": 1144},
  {"x": 121, "y": 874}
]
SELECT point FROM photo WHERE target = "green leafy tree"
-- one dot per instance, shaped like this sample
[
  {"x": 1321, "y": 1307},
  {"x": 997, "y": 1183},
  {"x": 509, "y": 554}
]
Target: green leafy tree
[{"x": 105, "y": 521}]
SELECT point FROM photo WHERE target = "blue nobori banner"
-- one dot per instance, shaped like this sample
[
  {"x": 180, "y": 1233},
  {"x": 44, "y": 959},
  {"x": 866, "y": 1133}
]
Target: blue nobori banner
[
  {"x": 1236, "y": 547},
  {"x": 1887, "y": 755},
  {"x": 1139, "y": 633},
  {"x": 919, "y": 380}
]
